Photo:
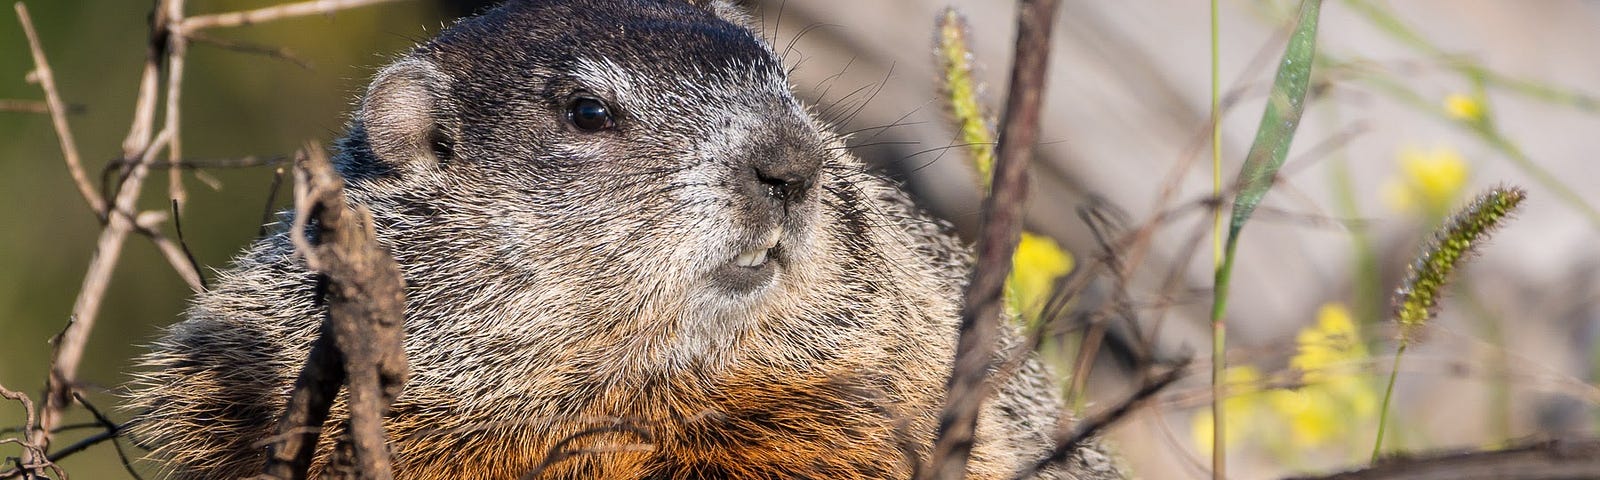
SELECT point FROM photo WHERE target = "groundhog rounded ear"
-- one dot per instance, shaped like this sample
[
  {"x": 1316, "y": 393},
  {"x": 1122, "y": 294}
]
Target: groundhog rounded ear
[
  {"x": 401, "y": 114},
  {"x": 729, "y": 11}
]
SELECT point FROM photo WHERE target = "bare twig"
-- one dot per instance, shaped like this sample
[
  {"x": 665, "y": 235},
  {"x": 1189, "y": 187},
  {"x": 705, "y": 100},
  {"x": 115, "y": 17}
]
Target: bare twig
[
  {"x": 272, "y": 201},
  {"x": 177, "y": 48},
  {"x": 361, "y": 341},
  {"x": 277, "y": 12},
  {"x": 108, "y": 248},
  {"x": 23, "y": 106},
  {"x": 1087, "y": 429},
  {"x": 114, "y": 430},
  {"x": 165, "y": 47},
  {"x": 34, "y": 106},
  {"x": 28, "y": 467},
  {"x": 58, "y": 113},
  {"x": 1545, "y": 460},
  {"x": 1002, "y": 216},
  {"x": 210, "y": 163},
  {"x": 64, "y": 428},
  {"x": 144, "y": 107},
  {"x": 1136, "y": 244},
  {"x": 35, "y": 460},
  {"x": 198, "y": 283},
  {"x": 82, "y": 445},
  {"x": 176, "y": 253},
  {"x": 268, "y": 51}
]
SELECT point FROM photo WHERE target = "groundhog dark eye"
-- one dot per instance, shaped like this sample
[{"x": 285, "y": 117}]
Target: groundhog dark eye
[{"x": 589, "y": 114}]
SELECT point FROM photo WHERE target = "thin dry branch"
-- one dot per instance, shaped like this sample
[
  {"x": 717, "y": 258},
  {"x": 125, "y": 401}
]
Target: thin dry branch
[
  {"x": 249, "y": 48},
  {"x": 1088, "y": 429},
  {"x": 34, "y": 106},
  {"x": 81, "y": 445},
  {"x": 23, "y": 106},
  {"x": 1002, "y": 226},
  {"x": 177, "y": 49},
  {"x": 176, "y": 253},
  {"x": 73, "y": 340},
  {"x": 248, "y": 161},
  {"x": 1545, "y": 460},
  {"x": 165, "y": 47},
  {"x": 269, "y": 209},
  {"x": 137, "y": 145},
  {"x": 144, "y": 106},
  {"x": 361, "y": 340},
  {"x": 277, "y": 12},
  {"x": 63, "y": 428},
  {"x": 35, "y": 461},
  {"x": 58, "y": 113},
  {"x": 114, "y": 429},
  {"x": 1136, "y": 244}
]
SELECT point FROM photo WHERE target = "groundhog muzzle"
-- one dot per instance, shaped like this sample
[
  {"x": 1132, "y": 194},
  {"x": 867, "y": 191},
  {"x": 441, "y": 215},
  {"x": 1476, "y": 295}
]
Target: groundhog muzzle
[{"x": 610, "y": 212}]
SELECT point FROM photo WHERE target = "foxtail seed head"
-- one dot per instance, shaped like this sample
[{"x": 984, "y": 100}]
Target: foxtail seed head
[{"x": 1417, "y": 299}]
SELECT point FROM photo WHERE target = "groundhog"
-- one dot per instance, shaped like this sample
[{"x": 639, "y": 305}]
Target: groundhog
[{"x": 630, "y": 253}]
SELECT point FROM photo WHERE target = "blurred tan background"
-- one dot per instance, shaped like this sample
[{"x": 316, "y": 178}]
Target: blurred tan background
[{"x": 1126, "y": 104}]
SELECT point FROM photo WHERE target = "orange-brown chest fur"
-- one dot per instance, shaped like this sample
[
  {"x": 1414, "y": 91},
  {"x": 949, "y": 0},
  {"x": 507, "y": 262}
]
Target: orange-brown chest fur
[{"x": 838, "y": 424}]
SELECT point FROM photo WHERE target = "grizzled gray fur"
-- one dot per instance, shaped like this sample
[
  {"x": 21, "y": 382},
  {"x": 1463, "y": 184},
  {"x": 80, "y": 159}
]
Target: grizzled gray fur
[{"x": 610, "y": 213}]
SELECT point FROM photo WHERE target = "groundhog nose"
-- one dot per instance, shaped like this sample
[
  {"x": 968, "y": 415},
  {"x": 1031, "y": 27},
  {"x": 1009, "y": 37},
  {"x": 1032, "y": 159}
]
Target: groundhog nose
[
  {"x": 788, "y": 185},
  {"x": 782, "y": 163}
]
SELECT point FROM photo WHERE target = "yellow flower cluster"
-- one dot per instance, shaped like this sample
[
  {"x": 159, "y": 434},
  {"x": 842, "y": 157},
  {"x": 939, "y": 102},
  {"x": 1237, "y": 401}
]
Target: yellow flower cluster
[
  {"x": 1240, "y": 410},
  {"x": 1463, "y": 107},
  {"x": 1430, "y": 181},
  {"x": 1328, "y": 410},
  {"x": 1330, "y": 357},
  {"x": 1036, "y": 265}
]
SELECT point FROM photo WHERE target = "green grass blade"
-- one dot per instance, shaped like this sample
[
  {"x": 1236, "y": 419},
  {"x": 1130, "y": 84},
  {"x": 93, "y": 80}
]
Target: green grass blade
[
  {"x": 1391, "y": 24},
  {"x": 1486, "y": 131},
  {"x": 1219, "y": 437},
  {"x": 1284, "y": 108},
  {"x": 1278, "y": 123}
]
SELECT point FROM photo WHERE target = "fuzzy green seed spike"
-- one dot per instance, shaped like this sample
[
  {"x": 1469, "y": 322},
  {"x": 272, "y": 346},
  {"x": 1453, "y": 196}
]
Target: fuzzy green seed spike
[
  {"x": 1039, "y": 260},
  {"x": 1418, "y": 298},
  {"x": 961, "y": 93}
]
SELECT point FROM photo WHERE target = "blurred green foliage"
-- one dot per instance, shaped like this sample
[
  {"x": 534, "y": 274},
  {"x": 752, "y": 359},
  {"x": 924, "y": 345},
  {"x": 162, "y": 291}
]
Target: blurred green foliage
[{"x": 234, "y": 104}]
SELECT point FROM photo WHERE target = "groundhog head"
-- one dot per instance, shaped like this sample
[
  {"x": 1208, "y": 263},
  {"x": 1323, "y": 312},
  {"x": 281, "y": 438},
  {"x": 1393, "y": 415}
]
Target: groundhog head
[{"x": 642, "y": 156}]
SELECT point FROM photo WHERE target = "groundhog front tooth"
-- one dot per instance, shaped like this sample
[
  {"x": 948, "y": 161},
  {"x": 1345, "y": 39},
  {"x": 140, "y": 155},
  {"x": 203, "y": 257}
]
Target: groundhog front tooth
[
  {"x": 751, "y": 258},
  {"x": 746, "y": 259}
]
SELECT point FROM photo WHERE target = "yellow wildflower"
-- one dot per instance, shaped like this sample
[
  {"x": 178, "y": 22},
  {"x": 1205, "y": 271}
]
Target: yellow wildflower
[
  {"x": 1429, "y": 181},
  {"x": 1239, "y": 409},
  {"x": 1464, "y": 107},
  {"x": 1309, "y": 413},
  {"x": 1333, "y": 340},
  {"x": 1036, "y": 265},
  {"x": 1335, "y": 396},
  {"x": 1333, "y": 404}
]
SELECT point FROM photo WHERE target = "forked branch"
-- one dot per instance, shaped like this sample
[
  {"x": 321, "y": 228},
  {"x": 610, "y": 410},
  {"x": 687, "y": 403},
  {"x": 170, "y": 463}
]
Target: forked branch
[
  {"x": 1002, "y": 226},
  {"x": 361, "y": 341}
]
